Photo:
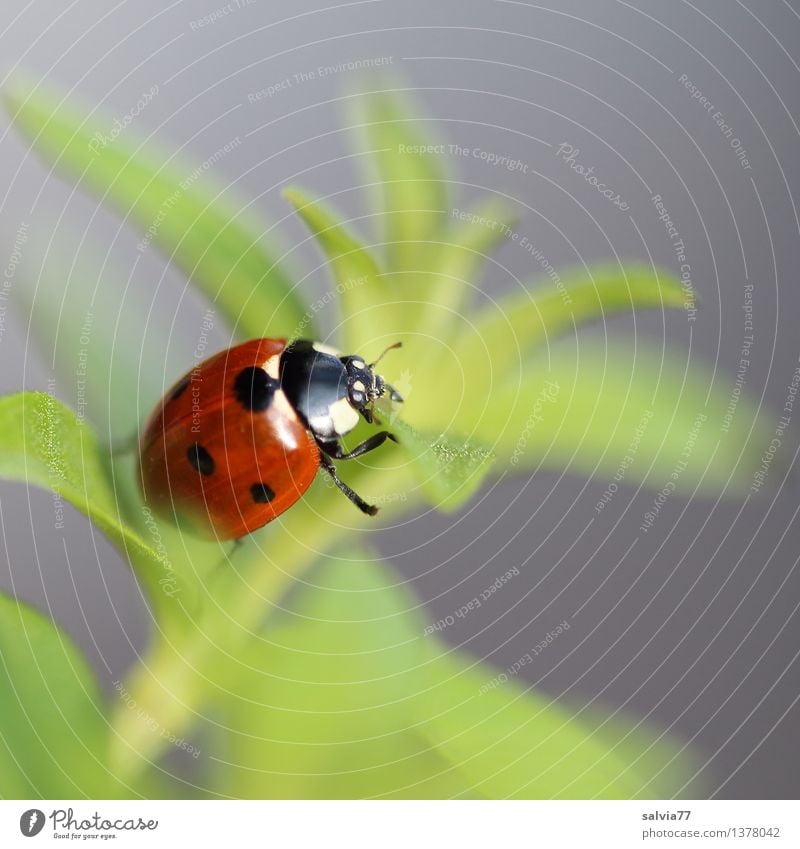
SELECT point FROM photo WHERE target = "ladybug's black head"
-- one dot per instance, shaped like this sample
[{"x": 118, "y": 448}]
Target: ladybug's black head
[
  {"x": 329, "y": 391},
  {"x": 365, "y": 386}
]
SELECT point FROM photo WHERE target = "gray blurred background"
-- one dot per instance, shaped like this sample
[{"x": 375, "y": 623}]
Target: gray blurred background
[{"x": 696, "y": 628}]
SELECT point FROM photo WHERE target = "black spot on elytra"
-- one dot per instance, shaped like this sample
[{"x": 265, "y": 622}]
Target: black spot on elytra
[
  {"x": 254, "y": 388},
  {"x": 179, "y": 389},
  {"x": 199, "y": 459},
  {"x": 261, "y": 493}
]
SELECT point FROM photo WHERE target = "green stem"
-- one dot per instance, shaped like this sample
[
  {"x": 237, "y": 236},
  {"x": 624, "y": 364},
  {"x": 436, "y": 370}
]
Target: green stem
[{"x": 185, "y": 667}]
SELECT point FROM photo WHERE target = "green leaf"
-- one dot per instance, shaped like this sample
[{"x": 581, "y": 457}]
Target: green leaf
[
  {"x": 111, "y": 377},
  {"x": 514, "y": 743},
  {"x": 52, "y": 729},
  {"x": 377, "y": 308},
  {"x": 354, "y": 269},
  {"x": 490, "y": 355},
  {"x": 449, "y": 472},
  {"x": 321, "y": 704},
  {"x": 663, "y": 764},
  {"x": 471, "y": 236},
  {"x": 178, "y": 207},
  {"x": 473, "y": 233},
  {"x": 46, "y": 445},
  {"x": 410, "y": 175},
  {"x": 597, "y": 407},
  {"x": 184, "y": 672},
  {"x": 508, "y": 330},
  {"x": 346, "y": 698},
  {"x": 78, "y": 313}
]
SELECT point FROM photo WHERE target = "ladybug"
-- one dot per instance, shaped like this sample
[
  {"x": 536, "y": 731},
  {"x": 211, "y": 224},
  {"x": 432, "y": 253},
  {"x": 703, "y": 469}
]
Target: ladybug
[{"x": 240, "y": 438}]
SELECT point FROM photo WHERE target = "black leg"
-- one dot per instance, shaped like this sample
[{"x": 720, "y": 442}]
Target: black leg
[
  {"x": 362, "y": 505},
  {"x": 333, "y": 449}
]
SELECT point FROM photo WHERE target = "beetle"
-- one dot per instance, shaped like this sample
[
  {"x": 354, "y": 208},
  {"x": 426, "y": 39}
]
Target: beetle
[{"x": 239, "y": 439}]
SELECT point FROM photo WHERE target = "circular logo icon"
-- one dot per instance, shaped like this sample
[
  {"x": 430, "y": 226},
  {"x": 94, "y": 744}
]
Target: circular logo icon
[{"x": 31, "y": 822}]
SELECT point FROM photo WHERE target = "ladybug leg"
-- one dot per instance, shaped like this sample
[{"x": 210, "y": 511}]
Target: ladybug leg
[
  {"x": 334, "y": 450},
  {"x": 362, "y": 505}
]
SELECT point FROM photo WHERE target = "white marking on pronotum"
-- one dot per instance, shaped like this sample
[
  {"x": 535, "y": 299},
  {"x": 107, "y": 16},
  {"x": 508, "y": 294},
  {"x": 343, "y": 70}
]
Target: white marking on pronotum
[
  {"x": 286, "y": 413},
  {"x": 272, "y": 365},
  {"x": 343, "y": 416},
  {"x": 326, "y": 349}
]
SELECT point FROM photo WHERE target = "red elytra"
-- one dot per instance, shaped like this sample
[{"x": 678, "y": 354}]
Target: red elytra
[{"x": 240, "y": 438}]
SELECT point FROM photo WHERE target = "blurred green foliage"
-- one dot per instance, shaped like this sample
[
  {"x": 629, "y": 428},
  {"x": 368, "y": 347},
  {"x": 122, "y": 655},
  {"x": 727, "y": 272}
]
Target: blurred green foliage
[{"x": 333, "y": 691}]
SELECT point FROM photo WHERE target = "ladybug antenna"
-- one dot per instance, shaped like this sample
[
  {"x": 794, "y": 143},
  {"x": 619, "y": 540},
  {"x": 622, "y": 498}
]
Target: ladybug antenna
[{"x": 384, "y": 352}]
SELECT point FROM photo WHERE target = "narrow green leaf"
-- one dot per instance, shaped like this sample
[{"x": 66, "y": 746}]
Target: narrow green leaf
[
  {"x": 377, "y": 308},
  {"x": 492, "y": 352},
  {"x": 355, "y": 272},
  {"x": 178, "y": 207},
  {"x": 46, "y": 445},
  {"x": 451, "y": 286},
  {"x": 516, "y": 324},
  {"x": 448, "y": 472},
  {"x": 409, "y": 170},
  {"x": 599, "y": 407},
  {"x": 52, "y": 728},
  {"x": 474, "y": 232}
]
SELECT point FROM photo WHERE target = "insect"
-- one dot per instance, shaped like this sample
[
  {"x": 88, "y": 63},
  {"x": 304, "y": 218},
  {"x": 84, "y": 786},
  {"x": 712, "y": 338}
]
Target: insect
[{"x": 240, "y": 438}]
